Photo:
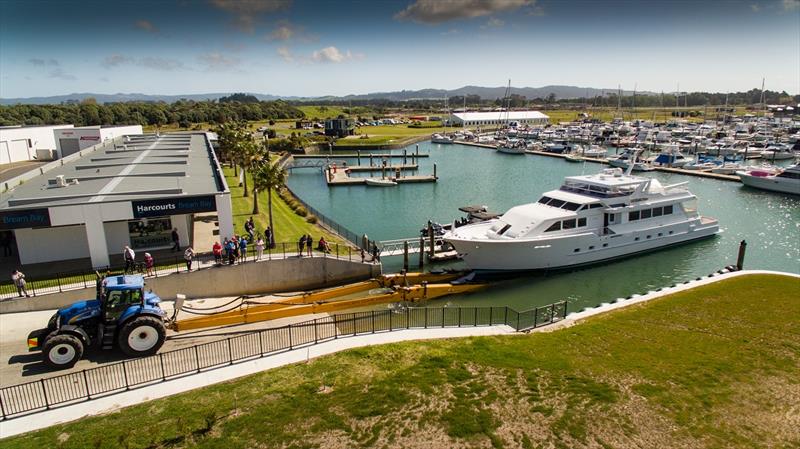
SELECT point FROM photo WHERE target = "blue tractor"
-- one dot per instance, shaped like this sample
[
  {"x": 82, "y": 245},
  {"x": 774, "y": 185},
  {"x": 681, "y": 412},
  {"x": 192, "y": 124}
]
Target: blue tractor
[{"x": 123, "y": 314}]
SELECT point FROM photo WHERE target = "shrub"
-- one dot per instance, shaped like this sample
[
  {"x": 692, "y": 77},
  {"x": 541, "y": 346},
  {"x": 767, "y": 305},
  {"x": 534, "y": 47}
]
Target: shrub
[
  {"x": 301, "y": 211},
  {"x": 311, "y": 219}
]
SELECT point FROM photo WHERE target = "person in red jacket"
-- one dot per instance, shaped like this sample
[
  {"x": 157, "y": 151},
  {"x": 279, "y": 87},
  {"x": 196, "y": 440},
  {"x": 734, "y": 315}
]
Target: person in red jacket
[{"x": 217, "y": 250}]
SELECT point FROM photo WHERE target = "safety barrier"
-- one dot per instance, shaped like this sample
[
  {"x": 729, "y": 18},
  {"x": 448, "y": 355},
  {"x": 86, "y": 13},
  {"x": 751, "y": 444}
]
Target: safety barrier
[{"x": 88, "y": 384}]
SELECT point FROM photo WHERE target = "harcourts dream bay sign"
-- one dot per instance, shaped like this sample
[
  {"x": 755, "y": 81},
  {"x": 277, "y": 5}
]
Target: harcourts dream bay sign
[
  {"x": 173, "y": 206},
  {"x": 30, "y": 218}
]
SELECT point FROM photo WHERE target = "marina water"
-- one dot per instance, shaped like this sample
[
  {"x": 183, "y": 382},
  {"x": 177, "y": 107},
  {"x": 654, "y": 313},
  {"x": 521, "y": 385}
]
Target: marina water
[{"x": 770, "y": 222}]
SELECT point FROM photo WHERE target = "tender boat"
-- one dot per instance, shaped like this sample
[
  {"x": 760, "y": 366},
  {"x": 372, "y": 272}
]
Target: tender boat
[
  {"x": 777, "y": 152},
  {"x": 440, "y": 138},
  {"x": 589, "y": 219},
  {"x": 623, "y": 159},
  {"x": 512, "y": 146},
  {"x": 594, "y": 151},
  {"x": 786, "y": 180},
  {"x": 670, "y": 156},
  {"x": 378, "y": 182}
]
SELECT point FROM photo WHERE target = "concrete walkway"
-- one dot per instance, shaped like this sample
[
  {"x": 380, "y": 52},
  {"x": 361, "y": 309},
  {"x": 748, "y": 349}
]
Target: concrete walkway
[{"x": 114, "y": 402}]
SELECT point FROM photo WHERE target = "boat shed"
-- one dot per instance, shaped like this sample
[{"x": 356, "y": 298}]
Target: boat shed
[
  {"x": 131, "y": 190},
  {"x": 498, "y": 118},
  {"x": 72, "y": 140},
  {"x": 25, "y": 143}
]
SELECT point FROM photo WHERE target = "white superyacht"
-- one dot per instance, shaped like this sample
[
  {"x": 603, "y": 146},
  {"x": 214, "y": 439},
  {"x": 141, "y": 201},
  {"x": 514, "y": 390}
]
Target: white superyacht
[{"x": 589, "y": 219}]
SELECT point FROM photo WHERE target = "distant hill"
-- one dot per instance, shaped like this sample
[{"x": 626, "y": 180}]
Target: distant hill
[{"x": 402, "y": 95}]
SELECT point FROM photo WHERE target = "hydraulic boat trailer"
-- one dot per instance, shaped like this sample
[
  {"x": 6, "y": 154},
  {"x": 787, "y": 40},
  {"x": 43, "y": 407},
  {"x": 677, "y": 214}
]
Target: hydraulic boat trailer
[{"x": 387, "y": 288}]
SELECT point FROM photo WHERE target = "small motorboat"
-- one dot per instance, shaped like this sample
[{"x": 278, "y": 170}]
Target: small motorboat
[
  {"x": 378, "y": 182},
  {"x": 572, "y": 157}
]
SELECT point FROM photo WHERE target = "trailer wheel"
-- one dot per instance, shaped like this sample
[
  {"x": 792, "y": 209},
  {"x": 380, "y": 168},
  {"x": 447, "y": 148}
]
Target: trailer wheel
[
  {"x": 62, "y": 351},
  {"x": 142, "y": 336}
]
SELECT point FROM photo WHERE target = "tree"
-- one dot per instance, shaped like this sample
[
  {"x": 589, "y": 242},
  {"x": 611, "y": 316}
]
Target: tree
[
  {"x": 249, "y": 154},
  {"x": 267, "y": 176}
]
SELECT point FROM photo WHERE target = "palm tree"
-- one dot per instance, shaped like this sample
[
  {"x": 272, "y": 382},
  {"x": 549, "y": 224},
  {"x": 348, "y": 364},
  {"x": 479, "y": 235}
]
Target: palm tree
[
  {"x": 269, "y": 177},
  {"x": 249, "y": 154}
]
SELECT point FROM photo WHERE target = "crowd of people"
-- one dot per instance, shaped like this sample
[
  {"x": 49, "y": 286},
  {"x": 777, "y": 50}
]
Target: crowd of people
[{"x": 230, "y": 251}]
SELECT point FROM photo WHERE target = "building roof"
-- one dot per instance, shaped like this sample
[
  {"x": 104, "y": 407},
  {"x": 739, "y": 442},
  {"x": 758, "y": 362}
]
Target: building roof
[
  {"x": 500, "y": 115},
  {"x": 135, "y": 168}
]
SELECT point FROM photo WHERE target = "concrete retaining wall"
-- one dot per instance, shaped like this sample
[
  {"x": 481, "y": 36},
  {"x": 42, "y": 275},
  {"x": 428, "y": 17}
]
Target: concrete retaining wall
[{"x": 292, "y": 274}]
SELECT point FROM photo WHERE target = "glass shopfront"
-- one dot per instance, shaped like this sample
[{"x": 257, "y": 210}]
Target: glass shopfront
[{"x": 150, "y": 232}]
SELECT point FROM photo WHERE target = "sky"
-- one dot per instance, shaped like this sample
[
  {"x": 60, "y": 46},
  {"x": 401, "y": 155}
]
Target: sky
[{"x": 316, "y": 48}]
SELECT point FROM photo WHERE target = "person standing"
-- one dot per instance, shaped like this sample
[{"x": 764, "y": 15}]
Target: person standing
[
  {"x": 309, "y": 242},
  {"x": 149, "y": 263},
  {"x": 19, "y": 281},
  {"x": 217, "y": 250},
  {"x": 300, "y": 245},
  {"x": 188, "y": 255},
  {"x": 176, "y": 240},
  {"x": 243, "y": 249},
  {"x": 269, "y": 237},
  {"x": 375, "y": 256},
  {"x": 259, "y": 248},
  {"x": 130, "y": 257},
  {"x": 231, "y": 252}
]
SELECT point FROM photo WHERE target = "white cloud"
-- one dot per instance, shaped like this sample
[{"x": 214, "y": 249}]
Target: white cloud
[
  {"x": 450, "y": 32},
  {"x": 217, "y": 61},
  {"x": 164, "y": 64},
  {"x": 146, "y": 25},
  {"x": 154, "y": 63},
  {"x": 333, "y": 55},
  {"x": 493, "y": 23},
  {"x": 246, "y": 12},
  {"x": 285, "y": 54},
  {"x": 755, "y": 7},
  {"x": 115, "y": 60},
  {"x": 789, "y": 5},
  {"x": 438, "y": 11},
  {"x": 283, "y": 32}
]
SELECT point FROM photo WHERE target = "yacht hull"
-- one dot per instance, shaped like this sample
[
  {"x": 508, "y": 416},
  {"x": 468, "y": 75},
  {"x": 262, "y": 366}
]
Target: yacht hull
[{"x": 560, "y": 252}]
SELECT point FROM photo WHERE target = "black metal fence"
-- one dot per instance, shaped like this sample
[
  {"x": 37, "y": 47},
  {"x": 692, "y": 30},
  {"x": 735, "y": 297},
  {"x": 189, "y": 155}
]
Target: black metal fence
[
  {"x": 347, "y": 234},
  {"x": 84, "y": 385},
  {"x": 72, "y": 280}
]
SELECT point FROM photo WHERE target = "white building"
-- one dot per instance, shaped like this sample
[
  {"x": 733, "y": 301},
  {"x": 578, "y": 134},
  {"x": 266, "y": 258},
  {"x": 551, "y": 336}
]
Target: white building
[
  {"x": 498, "y": 118},
  {"x": 25, "y": 143},
  {"x": 70, "y": 141},
  {"x": 130, "y": 191}
]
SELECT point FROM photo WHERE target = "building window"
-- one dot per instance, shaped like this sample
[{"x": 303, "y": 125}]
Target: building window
[
  {"x": 150, "y": 232},
  {"x": 633, "y": 216}
]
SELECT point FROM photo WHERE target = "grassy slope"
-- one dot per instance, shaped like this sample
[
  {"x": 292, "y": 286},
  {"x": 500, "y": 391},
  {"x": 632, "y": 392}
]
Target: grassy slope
[
  {"x": 288, "y": 225},
  {"x": 712, "y": 367}
]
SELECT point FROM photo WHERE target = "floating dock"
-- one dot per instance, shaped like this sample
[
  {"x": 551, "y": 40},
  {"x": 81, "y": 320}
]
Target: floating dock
[
  {"x": 377, "y": 168},
  {"x": 357, "y": 155},
  {"x": 341, "y": 177}
]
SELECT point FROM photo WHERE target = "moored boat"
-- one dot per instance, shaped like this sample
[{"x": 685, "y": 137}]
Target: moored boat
[
  {"x": 783, "y": 180},
  {"x": 378, "y": 182},
  {"x": 589, "y": 219}
]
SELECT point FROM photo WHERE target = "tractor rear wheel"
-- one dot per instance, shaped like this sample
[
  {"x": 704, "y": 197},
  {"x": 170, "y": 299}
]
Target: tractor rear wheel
[
  {"x": 62, "y": 351},
  {"x": 142, "y": 336}
]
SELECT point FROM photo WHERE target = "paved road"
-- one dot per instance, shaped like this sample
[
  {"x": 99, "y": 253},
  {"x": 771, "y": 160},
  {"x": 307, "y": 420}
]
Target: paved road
[
  {"x": 17, "y": 365},
  {"x": 8, "y": 171}
]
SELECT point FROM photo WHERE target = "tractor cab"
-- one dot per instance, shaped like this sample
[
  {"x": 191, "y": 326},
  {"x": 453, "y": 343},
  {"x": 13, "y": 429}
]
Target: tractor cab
[{"x": 117, "y": 294}]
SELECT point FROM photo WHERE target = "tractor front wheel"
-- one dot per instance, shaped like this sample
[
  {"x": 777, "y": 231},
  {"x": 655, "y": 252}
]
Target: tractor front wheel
[
  {"x": 142, "y": 336},
  {"x": 62, "y": 351}
]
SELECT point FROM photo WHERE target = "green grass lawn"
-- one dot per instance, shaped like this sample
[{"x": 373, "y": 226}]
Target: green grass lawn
[
  {"x": 288, "y": 225},
  {"x": 713, "y": 367}
]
